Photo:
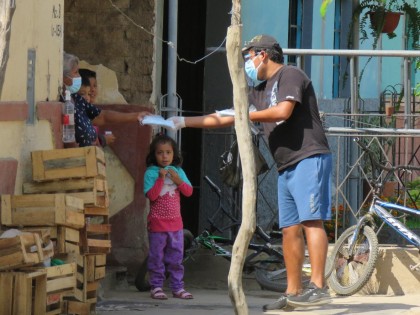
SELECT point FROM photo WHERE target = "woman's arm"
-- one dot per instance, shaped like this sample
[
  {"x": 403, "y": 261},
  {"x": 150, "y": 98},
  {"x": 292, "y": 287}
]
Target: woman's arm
[{"x": 111, "y": 116}]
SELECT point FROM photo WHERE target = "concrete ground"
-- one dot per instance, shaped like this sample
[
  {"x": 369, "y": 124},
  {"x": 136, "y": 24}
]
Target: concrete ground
[
  {"x": 217, "y": 302},
  {"x": 206, "y": 279}
]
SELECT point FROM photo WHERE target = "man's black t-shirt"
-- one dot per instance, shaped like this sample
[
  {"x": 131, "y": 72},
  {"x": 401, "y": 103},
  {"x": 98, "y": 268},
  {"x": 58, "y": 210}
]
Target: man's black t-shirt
[{"x": 300, "y": 136}]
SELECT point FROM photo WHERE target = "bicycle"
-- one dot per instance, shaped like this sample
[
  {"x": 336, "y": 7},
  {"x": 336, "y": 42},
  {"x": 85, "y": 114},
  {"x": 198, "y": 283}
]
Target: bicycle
[{"x": 355, "y": 253}]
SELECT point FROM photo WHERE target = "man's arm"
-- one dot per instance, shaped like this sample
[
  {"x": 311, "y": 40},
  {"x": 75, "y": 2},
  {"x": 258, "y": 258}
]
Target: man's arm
[
  {"x": 111, "y": 116},
  {"x": 209, "y": 121},
  {"x": 282, "y": 111}
]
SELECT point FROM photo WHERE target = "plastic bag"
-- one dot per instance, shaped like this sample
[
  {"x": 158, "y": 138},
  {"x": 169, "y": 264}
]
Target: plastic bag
[{"x": 230, "y": 165}]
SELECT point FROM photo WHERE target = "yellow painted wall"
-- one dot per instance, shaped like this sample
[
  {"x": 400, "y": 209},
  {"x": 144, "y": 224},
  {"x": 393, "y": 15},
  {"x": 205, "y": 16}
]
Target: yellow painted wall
[{"x": 36, "y": 25}]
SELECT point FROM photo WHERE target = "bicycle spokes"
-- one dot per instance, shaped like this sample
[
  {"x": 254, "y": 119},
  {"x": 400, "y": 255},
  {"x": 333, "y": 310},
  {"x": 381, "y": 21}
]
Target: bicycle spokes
[{"x": 350, "y": 266}]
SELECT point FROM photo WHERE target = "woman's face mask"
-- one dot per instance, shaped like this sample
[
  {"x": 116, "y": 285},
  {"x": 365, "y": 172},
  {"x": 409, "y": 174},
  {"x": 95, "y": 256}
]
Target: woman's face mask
[
  {"x": 252, "y": 72},
  {"x": 75, "y": 86}
]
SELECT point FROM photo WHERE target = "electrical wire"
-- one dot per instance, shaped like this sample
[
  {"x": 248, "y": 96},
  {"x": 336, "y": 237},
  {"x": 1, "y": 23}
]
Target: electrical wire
[{"x": 169, "y": 43}]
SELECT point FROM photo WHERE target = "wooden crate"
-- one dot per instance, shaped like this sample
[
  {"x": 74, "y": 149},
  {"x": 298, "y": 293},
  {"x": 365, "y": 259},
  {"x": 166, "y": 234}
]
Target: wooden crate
[
  {"x": 21, "y": 250},
  {"x": 95, "y": 237},
  {"x": 91, "y": 267},
  {"x": 68, "y": 240},
  {"x": 65, "y": 239},
  {"x": 86, "y": 291},
  {"x": 93, "y": 190},
  {"x": 72, "y": 307},
  {"x": 46, "y": 239},
  {"x": 61, "y": 282},
  {"x": 23, "y": 293},
  {"x": 42, "y": 210},
  {"x": 68, "y": 163}
]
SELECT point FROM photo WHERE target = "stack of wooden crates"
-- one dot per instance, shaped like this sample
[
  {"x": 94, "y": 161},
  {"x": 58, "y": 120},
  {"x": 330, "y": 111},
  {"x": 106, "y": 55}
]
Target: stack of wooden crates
[{"x": 66, "y": 204}]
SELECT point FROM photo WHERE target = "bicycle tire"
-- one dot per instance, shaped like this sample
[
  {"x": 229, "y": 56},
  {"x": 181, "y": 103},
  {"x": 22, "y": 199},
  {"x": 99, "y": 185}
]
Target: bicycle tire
[
  {"x": 141, "y": 281},
  {"x": 276, "y": 280},
  {"x": 350, "y": 274}
]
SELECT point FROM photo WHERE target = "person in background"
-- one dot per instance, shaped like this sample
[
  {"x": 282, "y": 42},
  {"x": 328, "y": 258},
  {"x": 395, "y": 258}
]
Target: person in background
[
  {"x": 286, "y": 105},
  {"x": 84, "y": 90},
  {"x": 164, "y": 182},
  {"x": 91, "y": 76},
  {"x": 86, "y": 114},
  {"x": 89, "y": 92}
]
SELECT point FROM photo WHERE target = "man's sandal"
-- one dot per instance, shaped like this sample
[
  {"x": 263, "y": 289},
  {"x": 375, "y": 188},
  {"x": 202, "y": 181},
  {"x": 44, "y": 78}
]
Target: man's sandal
[
  {"x": 158, "y": 294},
  {"x": 182, "y": 294}
]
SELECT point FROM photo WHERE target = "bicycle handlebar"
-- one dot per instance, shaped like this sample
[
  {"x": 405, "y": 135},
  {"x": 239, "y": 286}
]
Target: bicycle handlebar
[
  {"x": 375, "y": 162},
  {"x": 213, "y": 186}
]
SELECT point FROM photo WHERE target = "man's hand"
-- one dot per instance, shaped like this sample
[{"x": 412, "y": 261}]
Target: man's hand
[
  {"x": 179, "y": 122},
  {"x": 141, "y": 116}
]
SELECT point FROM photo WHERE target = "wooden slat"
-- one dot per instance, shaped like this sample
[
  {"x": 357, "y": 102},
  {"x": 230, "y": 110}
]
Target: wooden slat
[
  {"x": 6, "y": 210},
  {"x": 100, "y": 260},
  {"x": 100, "y": 272},
  {"x": 98, "y": 228},
  {"x": 37, "y": 165},
  {"x": 63, "y": 185},
  {"x": 96, "y": 211},
  {"x": 99, "y": 243},
  {"x": 6, "y": 295}
]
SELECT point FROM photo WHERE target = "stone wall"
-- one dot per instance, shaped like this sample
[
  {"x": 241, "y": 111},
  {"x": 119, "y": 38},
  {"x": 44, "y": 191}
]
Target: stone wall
[{"x": 100, "y": 33}]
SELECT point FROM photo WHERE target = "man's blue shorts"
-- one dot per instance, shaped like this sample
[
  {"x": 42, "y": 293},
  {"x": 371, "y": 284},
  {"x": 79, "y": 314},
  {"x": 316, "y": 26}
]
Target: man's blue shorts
[{"x": 304, "y": 191}]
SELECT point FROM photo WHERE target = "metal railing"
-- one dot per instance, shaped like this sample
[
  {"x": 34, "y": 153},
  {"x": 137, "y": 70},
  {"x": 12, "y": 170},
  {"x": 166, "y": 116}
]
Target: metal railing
[{"x": 352, "y": 55}]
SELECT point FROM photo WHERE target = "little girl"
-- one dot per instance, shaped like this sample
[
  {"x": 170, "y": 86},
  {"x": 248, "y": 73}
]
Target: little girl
[{"x": 164, "y": 180}]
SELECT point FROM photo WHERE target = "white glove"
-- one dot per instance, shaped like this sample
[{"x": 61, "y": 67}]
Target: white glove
[{"x": 178, "y": 121}]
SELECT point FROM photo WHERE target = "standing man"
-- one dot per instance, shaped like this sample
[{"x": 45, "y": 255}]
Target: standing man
[
  {"x": 287, "y": 106},
  {"x": 86, "y": 114}
]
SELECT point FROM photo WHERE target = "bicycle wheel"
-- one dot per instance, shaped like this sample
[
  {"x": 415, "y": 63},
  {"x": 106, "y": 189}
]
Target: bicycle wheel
[
  {"x": 141, "y": 281},
  {"x": 351, "y": 271}
]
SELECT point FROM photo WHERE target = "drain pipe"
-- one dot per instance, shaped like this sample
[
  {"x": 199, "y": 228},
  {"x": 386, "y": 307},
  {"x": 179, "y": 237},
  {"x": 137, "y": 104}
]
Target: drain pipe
[{"x": 172, "y": 101}]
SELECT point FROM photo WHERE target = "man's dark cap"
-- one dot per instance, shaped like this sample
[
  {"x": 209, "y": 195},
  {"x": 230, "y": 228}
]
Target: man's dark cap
[{"x": 262, "y": 42}]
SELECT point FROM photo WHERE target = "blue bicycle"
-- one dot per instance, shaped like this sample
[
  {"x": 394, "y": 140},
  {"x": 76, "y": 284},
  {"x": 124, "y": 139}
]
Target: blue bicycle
[{"x": 355, "y": 253}]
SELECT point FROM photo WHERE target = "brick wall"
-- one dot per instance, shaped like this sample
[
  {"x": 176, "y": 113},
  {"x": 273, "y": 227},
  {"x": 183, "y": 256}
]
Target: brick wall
[{"x": 98, "y": 33}]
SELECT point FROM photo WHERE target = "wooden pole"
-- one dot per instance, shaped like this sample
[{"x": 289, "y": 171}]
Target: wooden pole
[
  {"x": 7, "y": 8},
  {"x": 243, "y": 132}
]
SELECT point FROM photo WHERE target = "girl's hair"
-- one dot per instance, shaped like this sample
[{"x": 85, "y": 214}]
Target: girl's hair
[{"x": 161, "y": 139}]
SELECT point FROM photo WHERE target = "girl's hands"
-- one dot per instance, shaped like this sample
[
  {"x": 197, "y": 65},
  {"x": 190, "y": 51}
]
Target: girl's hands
[
  {"x": 175, "y": 177},
  {"x": 162, "y": 173}
]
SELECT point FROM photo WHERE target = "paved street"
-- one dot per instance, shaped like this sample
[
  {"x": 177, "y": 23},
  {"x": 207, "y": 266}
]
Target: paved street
[{"x": 216, "y": 302}]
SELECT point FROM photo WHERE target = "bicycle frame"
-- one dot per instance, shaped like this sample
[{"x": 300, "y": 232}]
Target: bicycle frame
[{"x": 381, "y": 209}]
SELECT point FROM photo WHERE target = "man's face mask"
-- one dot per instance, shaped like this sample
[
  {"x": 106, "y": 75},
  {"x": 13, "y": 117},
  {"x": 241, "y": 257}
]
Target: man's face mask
[
  {"x": 75, "y": 86},
  {"x": 252, "y": 72}
]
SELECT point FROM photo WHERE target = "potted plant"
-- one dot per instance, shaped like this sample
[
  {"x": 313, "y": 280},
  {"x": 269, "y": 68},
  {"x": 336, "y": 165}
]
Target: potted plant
[
  {"x": 384, "y": 16},
  {"x": 372, "y": 18}
]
